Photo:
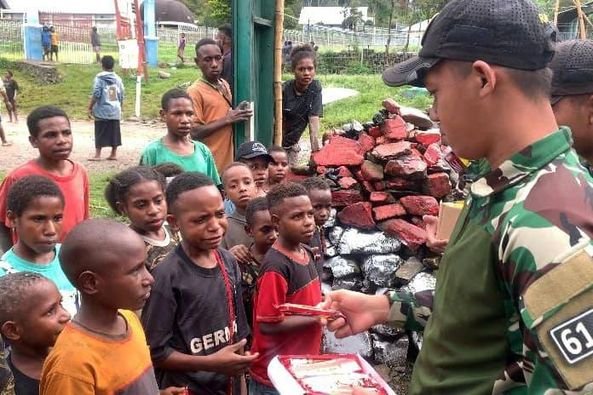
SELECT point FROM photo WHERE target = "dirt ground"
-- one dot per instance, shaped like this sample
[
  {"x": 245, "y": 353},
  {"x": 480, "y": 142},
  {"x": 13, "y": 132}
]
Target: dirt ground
[{"x": 135, "y": 136}]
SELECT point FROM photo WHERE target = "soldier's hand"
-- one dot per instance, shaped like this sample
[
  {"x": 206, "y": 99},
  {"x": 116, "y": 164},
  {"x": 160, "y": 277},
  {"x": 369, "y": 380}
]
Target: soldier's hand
[
  {"x": 435, "y": 245},
  {"x": 360, "y": 311}
]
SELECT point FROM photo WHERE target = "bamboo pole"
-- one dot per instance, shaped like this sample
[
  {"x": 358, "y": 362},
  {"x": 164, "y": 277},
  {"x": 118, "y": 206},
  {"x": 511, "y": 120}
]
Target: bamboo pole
[
  {"x": 581, "y": 18},
  {"x": 279, "y": 28},
  {"x": 556, "y": 11}
]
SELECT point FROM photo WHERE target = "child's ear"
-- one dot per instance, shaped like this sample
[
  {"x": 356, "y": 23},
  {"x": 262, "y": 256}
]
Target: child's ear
[
  {"x": 172, "y": 221},
  {"x": 87, "y": 281},
  {"x": 162, "y": 113},
  {"x": 12, "y": 218},
  {"x": 248, "y": 230},
  {"x": 121, "y": 208},
  {"x": 10, "y": 331},
  {"x": 33, "y": 141},
  {"x": 275, "y": 220}
]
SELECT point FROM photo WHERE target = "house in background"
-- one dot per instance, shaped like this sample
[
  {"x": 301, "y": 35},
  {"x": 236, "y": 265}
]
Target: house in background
[{"x": 330, "y": 16}]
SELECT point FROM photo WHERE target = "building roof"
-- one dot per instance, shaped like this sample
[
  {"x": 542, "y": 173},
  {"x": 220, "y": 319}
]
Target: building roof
[
  {"x": 328, "y": 15},
  {"x": 570, "y": 13},
  {"x": 63, "y": 6}
]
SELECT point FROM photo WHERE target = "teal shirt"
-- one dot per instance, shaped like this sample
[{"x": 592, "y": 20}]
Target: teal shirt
[
  {"x": 201, "y": 160},
  {"x": 11, "y": 263}
]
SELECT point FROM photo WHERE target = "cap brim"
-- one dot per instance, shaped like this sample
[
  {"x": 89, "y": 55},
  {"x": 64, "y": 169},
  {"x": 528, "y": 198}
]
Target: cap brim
[
  {"x": 409, "y": 72},
  {"x": 268, "y": 157}
]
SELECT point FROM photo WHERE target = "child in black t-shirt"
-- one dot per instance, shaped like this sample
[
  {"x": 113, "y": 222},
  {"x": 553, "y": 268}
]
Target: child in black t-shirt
[
  {"x": 288, "y": 275},
  {"x": 12, "y": 88},
  {"x": 321, "y": 200},
  {"x": 260, "y": 228},
  {"x": 31, "y": 317},
  {"x": 194, "y": 320}
]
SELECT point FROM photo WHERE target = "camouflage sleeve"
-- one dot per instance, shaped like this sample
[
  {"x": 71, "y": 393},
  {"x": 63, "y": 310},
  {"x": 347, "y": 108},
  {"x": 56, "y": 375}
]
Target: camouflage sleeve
[
  {"x": 6, "y": 378},
  {"x": 410, "y": 310},
  {"x": 548, "y": 275}
]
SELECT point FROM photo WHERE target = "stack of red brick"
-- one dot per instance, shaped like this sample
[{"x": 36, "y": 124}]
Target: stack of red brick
[{"x": 390, "y": 176}]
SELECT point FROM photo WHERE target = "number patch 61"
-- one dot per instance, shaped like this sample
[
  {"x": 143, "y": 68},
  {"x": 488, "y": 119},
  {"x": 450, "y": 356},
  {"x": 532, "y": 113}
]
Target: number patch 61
[{"x": 574, "y": 337}]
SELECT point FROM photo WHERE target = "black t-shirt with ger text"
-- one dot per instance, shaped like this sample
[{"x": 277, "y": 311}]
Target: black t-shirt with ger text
[
  {"x": 188, "y": 312},
  {"x": 296, "y": 110}
]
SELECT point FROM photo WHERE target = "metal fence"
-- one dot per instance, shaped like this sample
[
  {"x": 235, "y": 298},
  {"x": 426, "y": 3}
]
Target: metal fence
[{"x": 11, "y": 39}]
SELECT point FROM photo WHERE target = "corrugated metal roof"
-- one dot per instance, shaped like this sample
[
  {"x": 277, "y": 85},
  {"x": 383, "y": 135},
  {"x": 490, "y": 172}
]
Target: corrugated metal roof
[
  {"x": 64, "y": 6},
  {"x": 328, "y": 15}
]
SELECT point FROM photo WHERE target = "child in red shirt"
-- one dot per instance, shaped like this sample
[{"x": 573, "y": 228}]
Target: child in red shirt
[
  {"x": 50, "y": 133},
  {"x": 288, "y": 275}
]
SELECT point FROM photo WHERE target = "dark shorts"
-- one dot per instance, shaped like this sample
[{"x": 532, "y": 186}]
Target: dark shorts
[
  {"x": 54, "y": 49},
  {"x": 46, "y": 48}
]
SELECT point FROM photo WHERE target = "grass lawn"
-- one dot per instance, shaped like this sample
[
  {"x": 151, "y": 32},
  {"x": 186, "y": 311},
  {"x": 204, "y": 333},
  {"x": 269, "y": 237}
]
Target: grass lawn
[{"x": 72, "y": 95}]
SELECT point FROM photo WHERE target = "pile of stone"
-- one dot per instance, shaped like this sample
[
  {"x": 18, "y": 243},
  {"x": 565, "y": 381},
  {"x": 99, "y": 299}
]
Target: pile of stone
[{"x": 385, "y": 176}]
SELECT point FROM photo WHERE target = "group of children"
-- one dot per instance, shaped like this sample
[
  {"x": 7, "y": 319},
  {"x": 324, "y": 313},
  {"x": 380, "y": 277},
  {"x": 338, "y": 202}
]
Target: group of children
[{"x": 204, "y": 261}]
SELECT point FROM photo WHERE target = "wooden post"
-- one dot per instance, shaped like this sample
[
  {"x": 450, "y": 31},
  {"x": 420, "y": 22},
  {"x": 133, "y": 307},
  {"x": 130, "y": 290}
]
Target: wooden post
[
  {"x": 278, "y": 71},
  {"x": 581, "y": 19},
  {"x": 556, "y": 11}
]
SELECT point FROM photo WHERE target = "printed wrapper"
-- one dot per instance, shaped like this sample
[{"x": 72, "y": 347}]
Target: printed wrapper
[
  {"x": 308, "y": 311},
  {"x": 286, "y": 383}
]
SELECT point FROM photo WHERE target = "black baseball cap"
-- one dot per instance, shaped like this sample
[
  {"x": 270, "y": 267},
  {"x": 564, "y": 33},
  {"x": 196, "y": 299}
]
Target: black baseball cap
[
  {"x": 252, "y": 149},
  {"x": 506, "y": 33},
  {"x": 573, "y": 69}
]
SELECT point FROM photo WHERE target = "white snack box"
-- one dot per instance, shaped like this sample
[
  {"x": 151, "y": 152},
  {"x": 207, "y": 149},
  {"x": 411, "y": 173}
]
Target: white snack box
[{"x": 287, "y": 384}]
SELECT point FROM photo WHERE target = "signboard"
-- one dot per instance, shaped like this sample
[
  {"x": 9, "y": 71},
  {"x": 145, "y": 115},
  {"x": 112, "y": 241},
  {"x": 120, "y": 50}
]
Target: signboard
[{"x": 128, "y": 54}]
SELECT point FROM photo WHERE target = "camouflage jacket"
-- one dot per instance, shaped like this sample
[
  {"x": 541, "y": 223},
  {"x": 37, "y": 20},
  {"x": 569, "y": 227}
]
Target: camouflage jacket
[
  {"x": 513, "y": 306},
  {"x": 6, "y": 378}
]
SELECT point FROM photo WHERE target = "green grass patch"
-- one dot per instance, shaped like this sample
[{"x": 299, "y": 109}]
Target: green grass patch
[
  {"x": 99, "y": 207},
  {"x": 372, "y": 91},
  {"x": 73, "y": 94}
]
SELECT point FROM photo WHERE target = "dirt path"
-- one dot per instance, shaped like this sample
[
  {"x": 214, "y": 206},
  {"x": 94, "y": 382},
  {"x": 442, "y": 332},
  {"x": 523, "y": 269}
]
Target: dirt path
[{"x": 135, "y": 136}]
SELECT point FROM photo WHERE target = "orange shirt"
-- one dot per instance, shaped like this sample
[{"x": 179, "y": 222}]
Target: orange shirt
[
  {"x": 210, "y": 105},
  {"x": 84, "y": 363}
]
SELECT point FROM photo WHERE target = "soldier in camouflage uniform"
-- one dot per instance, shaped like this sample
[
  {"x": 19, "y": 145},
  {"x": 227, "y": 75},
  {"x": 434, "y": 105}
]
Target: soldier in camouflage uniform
[
  {"x": 512, "y": 312},
  {"x": 572, "y": 93}
]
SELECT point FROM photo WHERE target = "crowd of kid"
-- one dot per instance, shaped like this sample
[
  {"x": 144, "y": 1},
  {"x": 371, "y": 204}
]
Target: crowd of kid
[{"x": 196, "y": 268}]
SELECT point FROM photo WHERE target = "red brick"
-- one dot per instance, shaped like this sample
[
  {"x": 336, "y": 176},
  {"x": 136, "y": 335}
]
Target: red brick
[
  {"x": 427, "y": 137},
  {"x": 391, "y": 106},
  {"x": 392, "y": 150},
  {"x": 371, "y": 171},
  {"x": 343, "y": 171},
  {"x": 389, "y": 211},
  {"x": 379, "y": 186},
  {"x": 433, "y": 154},
  {"x": 321, "y": 169},
  {"x": 410, "y": 166},
  {"x": 375, "y": 132},
  {"x": 437, "y": 185},
  {"x": 290, "y": 176},
  {"x": 381, "y": 197},
  {"x": 381, "y": 140},
  {"x": 368, "y": 186},
  {"x": 411, "y": 235},
  {"x": 358, "y": 215},
  {"x": 343, "y": 198},
  {"x": 347, "y": 182},
  {"x": 420, "y": 205},
  {"x": 367, "y": 143},
  {"x": 401, "y": 184},
  {"x": 395, "y": 128},
  {"x": 340, "y": 151}
]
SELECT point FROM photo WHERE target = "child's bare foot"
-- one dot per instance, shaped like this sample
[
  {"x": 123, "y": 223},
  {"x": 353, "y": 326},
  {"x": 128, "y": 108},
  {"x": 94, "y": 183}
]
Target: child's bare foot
[
  {"x": 111, "y": 158},
  {"x": 6, "y": 144},
  {"x": 95, "y": 159}
]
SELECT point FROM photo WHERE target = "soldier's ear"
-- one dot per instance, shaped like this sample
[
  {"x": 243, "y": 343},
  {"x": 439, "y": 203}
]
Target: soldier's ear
[{"x": 589, "y": 110}]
